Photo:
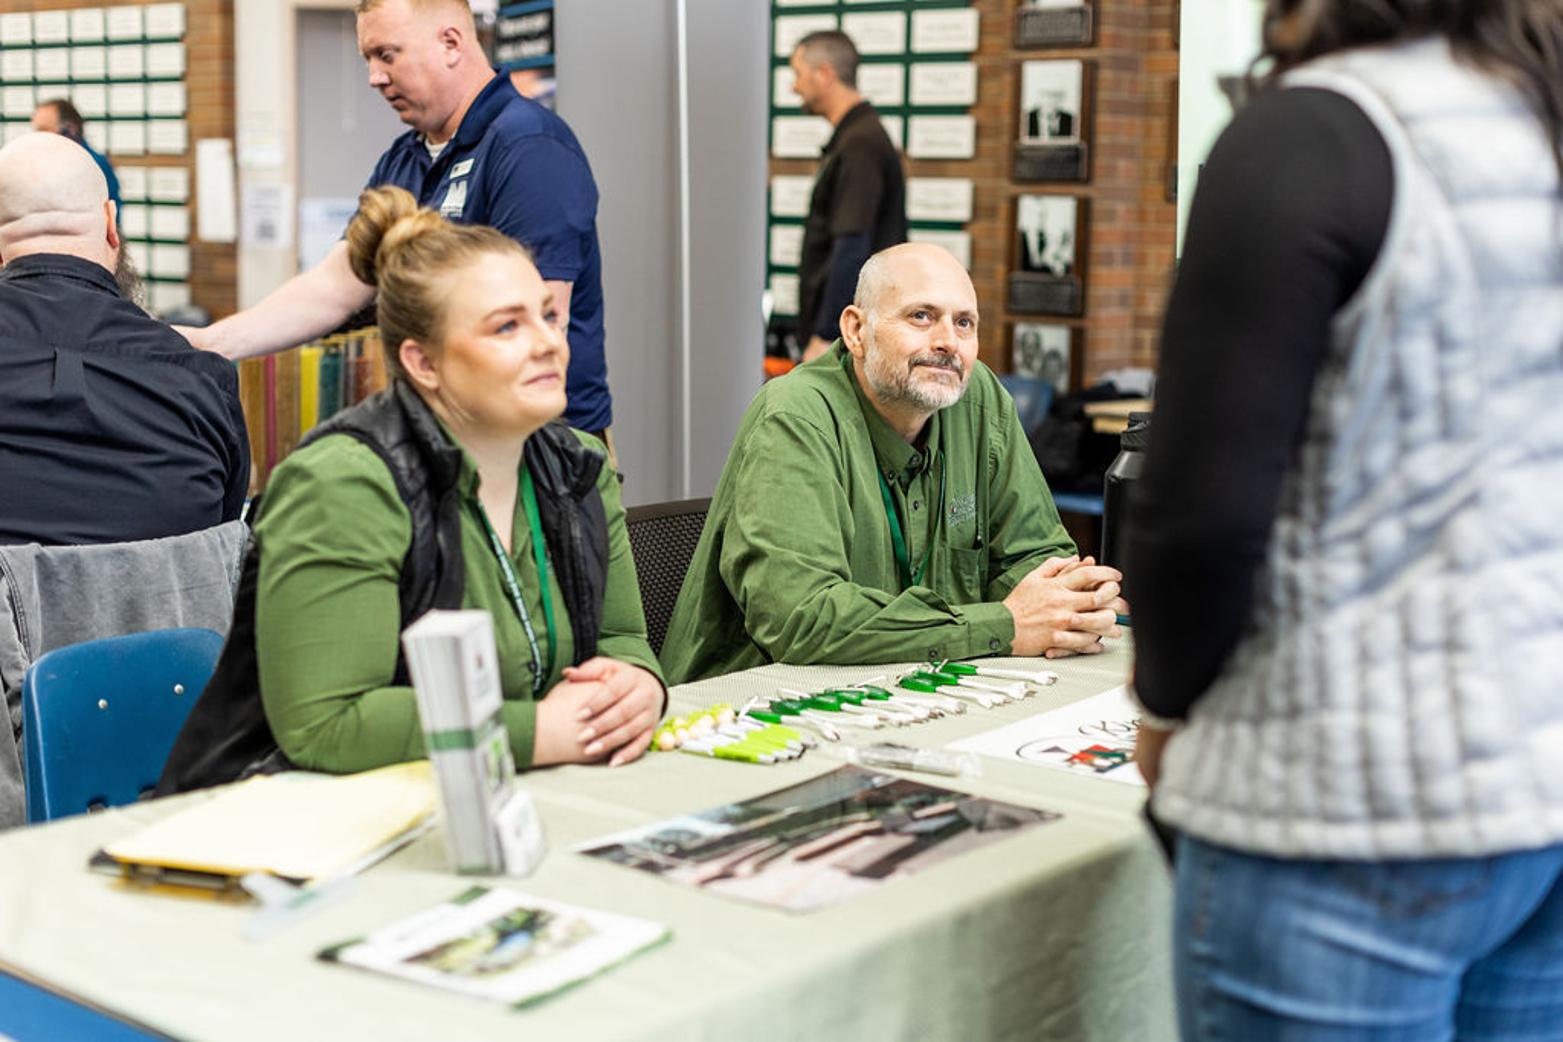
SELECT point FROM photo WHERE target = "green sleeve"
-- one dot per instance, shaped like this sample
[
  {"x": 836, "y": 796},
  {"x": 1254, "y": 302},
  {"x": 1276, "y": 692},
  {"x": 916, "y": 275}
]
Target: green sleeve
[
  {"x": 785, "y": 559},
  {"x": 332, "y": 536},
  {"x": 1023, "y": 524},
  {"x": 520, "y": 717},
  {"x": 623, "y": 634}
]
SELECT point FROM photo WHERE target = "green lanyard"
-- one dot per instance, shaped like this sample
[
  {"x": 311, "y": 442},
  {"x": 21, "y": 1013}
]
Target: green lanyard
[
  {"x": 540, "y": 674},
  {"x": 903, "y": 558}
]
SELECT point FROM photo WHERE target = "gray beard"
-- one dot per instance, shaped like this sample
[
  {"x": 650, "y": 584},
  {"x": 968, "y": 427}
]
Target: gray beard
[
  {"x": 129, "y": 280},
  {"x": 897, "y": 386}
]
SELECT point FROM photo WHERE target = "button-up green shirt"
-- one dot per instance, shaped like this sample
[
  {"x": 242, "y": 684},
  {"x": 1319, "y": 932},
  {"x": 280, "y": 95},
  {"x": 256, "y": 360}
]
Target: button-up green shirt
[
  {"x": 796, "y": 565},
  {"x": 332, "y": 536}
]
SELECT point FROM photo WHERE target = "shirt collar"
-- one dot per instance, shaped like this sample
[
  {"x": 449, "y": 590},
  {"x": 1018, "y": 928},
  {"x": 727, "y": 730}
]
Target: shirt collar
[
  {"x": 467, "y": 473},
  {"x": 468, "y": 482},
  {"x": 60, "y": 264},
  {"x": 485, "y": 108},
  {"x": 894, "y": 456}
]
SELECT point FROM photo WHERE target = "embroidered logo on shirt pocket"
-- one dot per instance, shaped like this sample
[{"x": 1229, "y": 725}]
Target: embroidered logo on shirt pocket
[{"x": 962, "y": 509}]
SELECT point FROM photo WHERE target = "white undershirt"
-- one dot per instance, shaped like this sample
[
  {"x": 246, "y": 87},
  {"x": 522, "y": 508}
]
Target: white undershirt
[{"x": 435, "y": 150}]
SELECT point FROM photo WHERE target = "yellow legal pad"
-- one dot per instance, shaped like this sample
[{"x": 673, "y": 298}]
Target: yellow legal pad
[{"x": 299, "y": 828}]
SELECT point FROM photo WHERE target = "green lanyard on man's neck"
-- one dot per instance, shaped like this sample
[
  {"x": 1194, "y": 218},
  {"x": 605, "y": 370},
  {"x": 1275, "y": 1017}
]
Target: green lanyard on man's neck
[
  {"x": 903, "y": 556},
  {"x": 540, "y": 671}
]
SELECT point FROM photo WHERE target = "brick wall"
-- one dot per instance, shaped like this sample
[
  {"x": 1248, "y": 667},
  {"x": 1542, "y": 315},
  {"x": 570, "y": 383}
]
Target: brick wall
[
  {"x": 1131, "y": 220},
  {"x": 209, "y": 85}
]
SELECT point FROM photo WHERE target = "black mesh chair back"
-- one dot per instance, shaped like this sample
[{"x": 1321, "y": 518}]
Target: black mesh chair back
[{"x": 663, "y": 538}]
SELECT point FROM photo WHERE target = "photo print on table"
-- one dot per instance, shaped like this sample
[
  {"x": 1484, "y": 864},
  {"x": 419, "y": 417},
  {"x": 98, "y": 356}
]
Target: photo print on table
[
  {"x": 1042, "y": 350},
  {"x": 1051, "y": 95},
  {"x": 841, "y": 835},
  {"x": 1047, "y": 227}
]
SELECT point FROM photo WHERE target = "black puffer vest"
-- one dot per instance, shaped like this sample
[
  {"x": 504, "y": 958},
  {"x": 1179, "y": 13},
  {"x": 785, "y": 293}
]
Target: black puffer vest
[{"x": 226, "y": 735}]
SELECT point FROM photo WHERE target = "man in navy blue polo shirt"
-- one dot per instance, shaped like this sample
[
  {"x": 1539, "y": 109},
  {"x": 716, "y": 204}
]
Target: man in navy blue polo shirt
[{"x": 479, "y": 153}]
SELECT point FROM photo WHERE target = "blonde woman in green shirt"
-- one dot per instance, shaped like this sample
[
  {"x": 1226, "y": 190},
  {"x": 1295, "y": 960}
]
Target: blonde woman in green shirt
[{"x": 455, "y": 488}]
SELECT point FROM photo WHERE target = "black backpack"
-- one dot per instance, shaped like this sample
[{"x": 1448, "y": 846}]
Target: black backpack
[{"x": 1072, "y": 455}]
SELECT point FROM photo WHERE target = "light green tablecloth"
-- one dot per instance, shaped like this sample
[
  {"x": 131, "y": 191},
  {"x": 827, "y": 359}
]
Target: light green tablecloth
[{"x": 1058, "y": 933}]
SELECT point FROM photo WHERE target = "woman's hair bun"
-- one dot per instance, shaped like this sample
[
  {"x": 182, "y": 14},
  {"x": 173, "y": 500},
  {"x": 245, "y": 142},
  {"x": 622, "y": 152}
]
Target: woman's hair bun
[{"x": 388, "y": 219}]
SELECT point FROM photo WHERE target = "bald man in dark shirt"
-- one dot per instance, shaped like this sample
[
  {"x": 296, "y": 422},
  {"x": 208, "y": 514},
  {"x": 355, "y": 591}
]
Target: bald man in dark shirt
[{"x": 112, "y": 428}]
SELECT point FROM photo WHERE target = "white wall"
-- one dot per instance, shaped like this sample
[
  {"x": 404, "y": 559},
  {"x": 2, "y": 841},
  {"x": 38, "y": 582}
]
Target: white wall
[
  {"x": 1217, "y": 38},
  {"x": 343, "y": 123},
  {"x": 728, "y": 88},
  {"x": 679, "y": 386}
]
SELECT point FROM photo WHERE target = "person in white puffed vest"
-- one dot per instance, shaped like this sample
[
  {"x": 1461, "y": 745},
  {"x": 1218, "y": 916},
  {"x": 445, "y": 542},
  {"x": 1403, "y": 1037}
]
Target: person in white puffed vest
[{"x": 1346, "y": 558}]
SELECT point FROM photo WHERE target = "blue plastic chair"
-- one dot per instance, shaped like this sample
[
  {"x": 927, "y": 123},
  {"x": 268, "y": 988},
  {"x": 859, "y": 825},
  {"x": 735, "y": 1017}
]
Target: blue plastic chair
[
  {"x": 99, "y": 718},
  {"x": 1033, "y": 397}
]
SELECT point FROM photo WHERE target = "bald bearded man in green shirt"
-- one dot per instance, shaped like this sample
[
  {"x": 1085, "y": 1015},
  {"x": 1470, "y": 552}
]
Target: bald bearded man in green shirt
[{"x": 882, "y": 504}]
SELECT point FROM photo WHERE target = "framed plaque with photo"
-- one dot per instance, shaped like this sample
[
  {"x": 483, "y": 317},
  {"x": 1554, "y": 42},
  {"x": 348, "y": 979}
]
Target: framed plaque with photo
[
  {"x": 1055, "y": 23},
  {"x": 1054, "y": 113},
  {"x": 1046, "y": 277},
  {"x": 1045, "y": 350}
]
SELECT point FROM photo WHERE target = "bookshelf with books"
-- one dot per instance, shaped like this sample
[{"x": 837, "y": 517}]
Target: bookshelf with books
[{"x": 287, "y": 395}]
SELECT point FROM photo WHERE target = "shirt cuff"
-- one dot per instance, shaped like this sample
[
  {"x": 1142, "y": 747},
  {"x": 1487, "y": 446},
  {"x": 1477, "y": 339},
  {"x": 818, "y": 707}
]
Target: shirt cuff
[
  {"x": 989, "y": 630},
  {"x": 520, "y": 717}
]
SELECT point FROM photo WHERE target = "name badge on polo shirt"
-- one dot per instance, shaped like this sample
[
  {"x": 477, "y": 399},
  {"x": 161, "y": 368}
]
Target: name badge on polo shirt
[
  {"x": 463, "y": 168},
  {"x": 455, "y": 200}
]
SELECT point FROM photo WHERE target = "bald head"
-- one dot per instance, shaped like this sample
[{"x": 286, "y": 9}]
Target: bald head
[
  {"x": 914, "y": 267},
  {"x": 912, "y": 333},
  {"x": 53, "y": 199}
]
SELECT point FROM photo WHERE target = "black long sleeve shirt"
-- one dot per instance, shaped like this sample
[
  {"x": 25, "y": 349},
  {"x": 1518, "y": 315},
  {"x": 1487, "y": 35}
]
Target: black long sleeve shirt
[
  {"x": 112, "y": 427},
  {"x": 1289, "y": 217}
]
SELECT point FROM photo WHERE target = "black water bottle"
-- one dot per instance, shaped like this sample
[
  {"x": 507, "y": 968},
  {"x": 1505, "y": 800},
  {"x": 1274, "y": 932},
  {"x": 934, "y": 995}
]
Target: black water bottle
[{"x": 1121, "y": 476}]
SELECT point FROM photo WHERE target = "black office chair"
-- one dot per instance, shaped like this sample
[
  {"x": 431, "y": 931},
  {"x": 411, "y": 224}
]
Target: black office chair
[{"x": 663, "y": 538}]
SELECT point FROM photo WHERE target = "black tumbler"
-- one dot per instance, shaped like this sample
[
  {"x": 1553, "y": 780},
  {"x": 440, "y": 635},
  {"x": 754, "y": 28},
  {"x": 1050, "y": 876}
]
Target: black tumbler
[{"x": 1121, "y": 476}]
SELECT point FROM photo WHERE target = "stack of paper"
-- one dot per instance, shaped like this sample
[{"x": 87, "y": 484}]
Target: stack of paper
[
  {"x": 490, "y": 823},
  {"x": 301, "y": 828}
]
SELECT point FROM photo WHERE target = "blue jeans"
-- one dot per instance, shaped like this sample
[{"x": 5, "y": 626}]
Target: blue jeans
[{"x": 1269, "y": 950}]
